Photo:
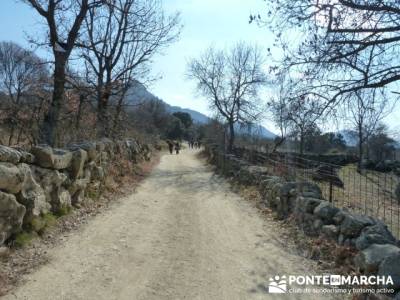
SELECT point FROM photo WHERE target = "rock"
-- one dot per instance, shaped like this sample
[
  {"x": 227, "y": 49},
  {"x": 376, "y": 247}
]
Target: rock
[
  {"x": 77, "y": 190},
  {"x": 317, "y": 225},
  {"x": 352, "y": 224},
  {"x": 391, "y": 266},
  {"x": 375, "y": 234},
  {"x": 97, "y": 173},
  {"x": 53, "y": 183},
  {"x": 312, "y": 190},
  {"x": 11, "y": 216},
  {"x": 11, "y": 178},
  {"x": 47, "y": 157},
  {"x": 32, "y": 196},
  {"x": 330, "y": 232},
  {"x": 9, "y": 155},
  {"x": 4, "y": 252},
  {"x": 78, "y": 161},
  {"x": 368, "y": 260},
  {"x": 27, "y": 157},
  {"x": 306, "y": 204},
  {"x": 89, "y": 147},
  {"x": 326, "y": 211}
]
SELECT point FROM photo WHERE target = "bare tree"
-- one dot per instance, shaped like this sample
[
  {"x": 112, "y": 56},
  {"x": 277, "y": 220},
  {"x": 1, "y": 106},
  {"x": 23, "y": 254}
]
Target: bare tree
[
  {"x": 348, "y": 45},
  {"x": 231, "y": 80},
  {"x": 119, "y": 40},
  {"x": 22, "y": 74},
  {"x": 63, "y": 20},
  {"x": 365, "y": 112}
]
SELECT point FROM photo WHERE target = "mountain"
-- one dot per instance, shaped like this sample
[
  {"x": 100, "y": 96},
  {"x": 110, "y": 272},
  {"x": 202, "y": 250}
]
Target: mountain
[
  {"x": 138, "y": 94},
  {"x": 196, "y": 116}
]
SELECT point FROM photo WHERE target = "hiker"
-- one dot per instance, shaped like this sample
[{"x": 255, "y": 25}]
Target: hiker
[
  {"x": 170, "y": 146},
  {"x": 177, "y": 147}
]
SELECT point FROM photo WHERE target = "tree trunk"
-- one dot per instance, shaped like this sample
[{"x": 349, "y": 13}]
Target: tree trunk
[
  {"x": 360, "y": 147},
  {"x": 48, "y": 128},
  {"x": 231, "y": 139},
  {"x": 102, "y": 117},
  {"x": 301, "y": 142}
]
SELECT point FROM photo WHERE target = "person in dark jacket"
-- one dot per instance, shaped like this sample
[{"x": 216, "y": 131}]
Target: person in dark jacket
[
  {"x": 177, "y": 147},
  {"x": 170, "y": 146}
]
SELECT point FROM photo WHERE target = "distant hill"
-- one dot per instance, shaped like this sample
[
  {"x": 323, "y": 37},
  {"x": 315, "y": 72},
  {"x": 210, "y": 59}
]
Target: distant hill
[{"x": 138, "y": 94}]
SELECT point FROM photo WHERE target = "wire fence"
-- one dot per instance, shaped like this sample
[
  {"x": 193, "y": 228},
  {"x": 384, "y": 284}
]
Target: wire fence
[{"x": 363, "y": 191}]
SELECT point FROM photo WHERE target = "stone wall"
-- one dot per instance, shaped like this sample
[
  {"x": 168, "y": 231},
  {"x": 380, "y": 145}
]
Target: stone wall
[
  {"x": 44, "y": 180},
  {"x": 378, "y": 250}
]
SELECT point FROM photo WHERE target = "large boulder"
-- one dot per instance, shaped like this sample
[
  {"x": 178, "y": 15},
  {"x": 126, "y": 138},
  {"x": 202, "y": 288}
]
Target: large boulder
[
  {"x": 11, "y": 216},
  {"x": 375, "y": 234},
  {"x": 352, "y": 224},
  {"x": 369, "y": 259},
  {"x": 79, "y": 158},
  {"x": 306, "y": 204},
  {"x": 32, "y": 196},
  {"x": 47, "y": 157},
  {"x": 326, "y": 211},
  {"x": 391, "y": 266},
  {"x": 53, "y": 183},
  {"x": 11, "y": 178},
  {"x": 89, "y": 147},
  {"x": 9, "y": 155},
  {"x": 252, "y": 174},
  {"x": 330, "y": 232}
]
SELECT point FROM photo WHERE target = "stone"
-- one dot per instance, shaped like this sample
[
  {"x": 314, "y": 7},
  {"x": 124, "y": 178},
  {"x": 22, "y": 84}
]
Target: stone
[
  {"x": 47, "y": 157},
  {"x": 32, "y": 196},
  {"x": 89, "y": 147},
  {"x": 52, "y": 182},
  {"x": 391, "y": 266},
  {"x": 326, "y": 211},
  {"x": 369, "y": 259},
  {"x": 9, "y": 155},
  {"x": 27, "y": 157},
  {"x": 317, "y": 224},
  {"x": 375, "y": 234},
  {"x": 97, "y": 173},
  {"x": 352, "y": 224},
  {"x": 79, "y": 158},
  {"x": 307, "y": 204},
  {"x": 330, "y": 232},
  {"x": 11, "y": 216},
  {"x": 77, "y": 190},
  {"x": 4, "y": 252},
  {"x": 11, "y": 178}
]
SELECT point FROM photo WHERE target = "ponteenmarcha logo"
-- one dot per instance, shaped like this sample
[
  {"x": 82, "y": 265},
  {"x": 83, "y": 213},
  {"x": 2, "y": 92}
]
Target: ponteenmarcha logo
[{"x": 277, "y": 285}]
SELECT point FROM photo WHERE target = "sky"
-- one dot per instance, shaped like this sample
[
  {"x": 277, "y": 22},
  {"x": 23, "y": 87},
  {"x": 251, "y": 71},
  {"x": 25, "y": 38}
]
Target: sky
[{"x": 219, "y": 23}]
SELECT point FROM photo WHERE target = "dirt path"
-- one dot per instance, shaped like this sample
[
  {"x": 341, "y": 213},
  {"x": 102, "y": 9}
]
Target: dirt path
[{"x": 183, "y": 235}]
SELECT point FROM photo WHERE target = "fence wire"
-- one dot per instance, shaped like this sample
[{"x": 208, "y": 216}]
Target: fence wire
[{"x": 362, "y": 191}]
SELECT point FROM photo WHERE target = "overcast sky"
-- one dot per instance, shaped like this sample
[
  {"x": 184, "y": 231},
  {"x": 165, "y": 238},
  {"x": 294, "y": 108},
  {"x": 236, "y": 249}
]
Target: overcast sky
[{"x": 205, "y": 22}]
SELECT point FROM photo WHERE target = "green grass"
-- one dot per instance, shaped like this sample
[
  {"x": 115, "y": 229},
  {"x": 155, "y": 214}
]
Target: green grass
[
  {"x": 63, "y": 210},
  {"x": 24, "y": 238}
]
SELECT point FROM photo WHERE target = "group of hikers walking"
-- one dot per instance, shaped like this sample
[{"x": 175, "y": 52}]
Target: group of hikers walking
[
  {"x": 175, "y": 145},
  {"x": 194, "y": 144}
]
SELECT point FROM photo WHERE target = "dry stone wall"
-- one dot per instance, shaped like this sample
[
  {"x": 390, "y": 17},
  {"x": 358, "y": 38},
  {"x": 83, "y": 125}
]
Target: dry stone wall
[
  {"x": 378, "y": 250},
  {"x": 46, "y": 180}
]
